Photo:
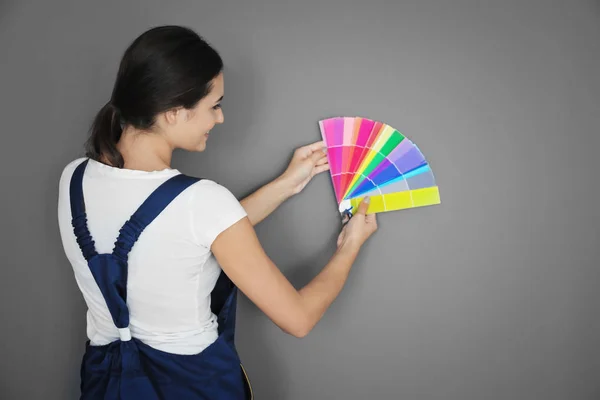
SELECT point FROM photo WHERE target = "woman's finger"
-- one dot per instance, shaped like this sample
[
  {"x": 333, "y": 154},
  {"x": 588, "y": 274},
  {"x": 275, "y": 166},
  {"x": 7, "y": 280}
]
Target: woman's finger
[
  {"x": 321, "y": 168},
  {"x": 316, "y": 146},
  {"x": 322, "y": 161}
]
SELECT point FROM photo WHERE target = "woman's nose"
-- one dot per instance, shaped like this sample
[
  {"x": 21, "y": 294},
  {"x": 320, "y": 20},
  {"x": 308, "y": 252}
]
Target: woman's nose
[{"x": 220, "y": 117}]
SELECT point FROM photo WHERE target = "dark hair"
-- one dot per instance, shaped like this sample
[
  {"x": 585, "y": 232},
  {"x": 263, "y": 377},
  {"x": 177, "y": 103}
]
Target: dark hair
[{"x": 165, "y": 67}]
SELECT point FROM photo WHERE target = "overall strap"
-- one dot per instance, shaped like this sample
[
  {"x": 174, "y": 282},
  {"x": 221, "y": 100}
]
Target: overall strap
[
  {"x": 148, "y": 211},
  {"x": 79, "y": 217},
  {"x": 130, "y": 232},
  {"x": 110, "y": 270}
]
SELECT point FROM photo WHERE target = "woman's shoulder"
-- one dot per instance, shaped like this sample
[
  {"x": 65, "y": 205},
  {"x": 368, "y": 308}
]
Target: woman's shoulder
[
  {"x": 69, "y": 168},
  {"x": 210, "y": 191},
  {"x": 208, "y": 184},
  {"x": 213, "y": 209},
  {"x": 71, "y": 165},
  {"x": 205, "y": 191}
]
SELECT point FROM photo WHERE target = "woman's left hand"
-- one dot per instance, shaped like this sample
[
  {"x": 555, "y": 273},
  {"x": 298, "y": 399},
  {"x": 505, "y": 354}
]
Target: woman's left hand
[{"x": 307, "y": 162}]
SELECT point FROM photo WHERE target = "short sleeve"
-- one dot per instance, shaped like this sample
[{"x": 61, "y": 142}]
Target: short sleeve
[{"x": 214, "y": 209}]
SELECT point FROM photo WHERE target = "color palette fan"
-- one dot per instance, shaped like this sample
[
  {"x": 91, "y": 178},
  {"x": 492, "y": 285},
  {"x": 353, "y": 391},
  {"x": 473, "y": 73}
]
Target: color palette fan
[{"x": 370, "y": 158}]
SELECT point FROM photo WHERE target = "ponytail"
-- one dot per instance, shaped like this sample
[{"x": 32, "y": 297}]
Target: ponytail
[{"x": 105, "y": 133}]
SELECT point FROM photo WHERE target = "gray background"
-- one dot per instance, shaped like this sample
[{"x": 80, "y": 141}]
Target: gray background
[{"x": 491, "y": 295}]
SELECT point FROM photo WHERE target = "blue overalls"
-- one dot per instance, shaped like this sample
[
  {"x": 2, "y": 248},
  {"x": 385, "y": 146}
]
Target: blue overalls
[{"x": 129, "y": 369}]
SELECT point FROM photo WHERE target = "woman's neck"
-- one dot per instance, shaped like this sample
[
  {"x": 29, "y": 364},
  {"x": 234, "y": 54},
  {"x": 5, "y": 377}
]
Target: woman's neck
[{"x": 146, "y": 151}]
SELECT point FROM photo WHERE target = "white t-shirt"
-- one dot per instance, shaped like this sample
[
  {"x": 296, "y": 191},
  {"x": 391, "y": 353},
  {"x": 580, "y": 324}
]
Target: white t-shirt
[{"x": 171, "y": 268}]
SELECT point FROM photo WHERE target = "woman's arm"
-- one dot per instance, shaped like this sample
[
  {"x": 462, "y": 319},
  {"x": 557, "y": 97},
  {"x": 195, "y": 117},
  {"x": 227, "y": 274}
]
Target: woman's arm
[
  {"x": 265, "y": 200},
  {"x": 306, "y": 162},
  {"x": 296, "y": 312}
]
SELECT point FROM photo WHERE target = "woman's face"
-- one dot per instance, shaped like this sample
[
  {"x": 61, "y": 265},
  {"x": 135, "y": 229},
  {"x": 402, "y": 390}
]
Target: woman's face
[{"x": 190, "y": 127}]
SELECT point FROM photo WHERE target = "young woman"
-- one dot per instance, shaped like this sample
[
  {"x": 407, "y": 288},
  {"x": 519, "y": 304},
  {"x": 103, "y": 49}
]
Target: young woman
[{"x": 158, "y": 255}]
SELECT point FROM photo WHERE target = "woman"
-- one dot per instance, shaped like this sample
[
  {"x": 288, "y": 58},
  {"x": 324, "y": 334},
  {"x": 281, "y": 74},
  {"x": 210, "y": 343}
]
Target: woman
[{"x": 157, "y": 255}]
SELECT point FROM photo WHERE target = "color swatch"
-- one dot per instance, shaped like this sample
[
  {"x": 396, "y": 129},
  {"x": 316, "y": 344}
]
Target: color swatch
[{"x": 370, "y": 158}]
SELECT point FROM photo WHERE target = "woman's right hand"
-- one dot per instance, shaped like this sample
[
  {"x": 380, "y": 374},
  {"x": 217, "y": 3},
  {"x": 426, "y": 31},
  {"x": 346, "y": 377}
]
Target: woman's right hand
[
  {"x": 359, "y": 228},
  {"x": 242, "y": 257}
]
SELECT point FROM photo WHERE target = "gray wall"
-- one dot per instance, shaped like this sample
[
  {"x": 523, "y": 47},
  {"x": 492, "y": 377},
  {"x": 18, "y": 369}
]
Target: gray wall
[{"x": 492, "y": 295}]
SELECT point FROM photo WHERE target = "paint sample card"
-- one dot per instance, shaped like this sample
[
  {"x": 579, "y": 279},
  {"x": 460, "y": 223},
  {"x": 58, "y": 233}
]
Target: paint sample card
[{"x": 370, "y": 158}]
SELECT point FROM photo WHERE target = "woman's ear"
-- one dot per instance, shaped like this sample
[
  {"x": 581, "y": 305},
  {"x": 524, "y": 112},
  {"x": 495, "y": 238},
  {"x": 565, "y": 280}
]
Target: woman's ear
[
  {"x": 175, "y": 115},
  {"x": 168, "y": 117}
]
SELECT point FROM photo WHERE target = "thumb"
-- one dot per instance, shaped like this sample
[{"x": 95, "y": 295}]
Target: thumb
[{"x": 363, "y": 206}]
